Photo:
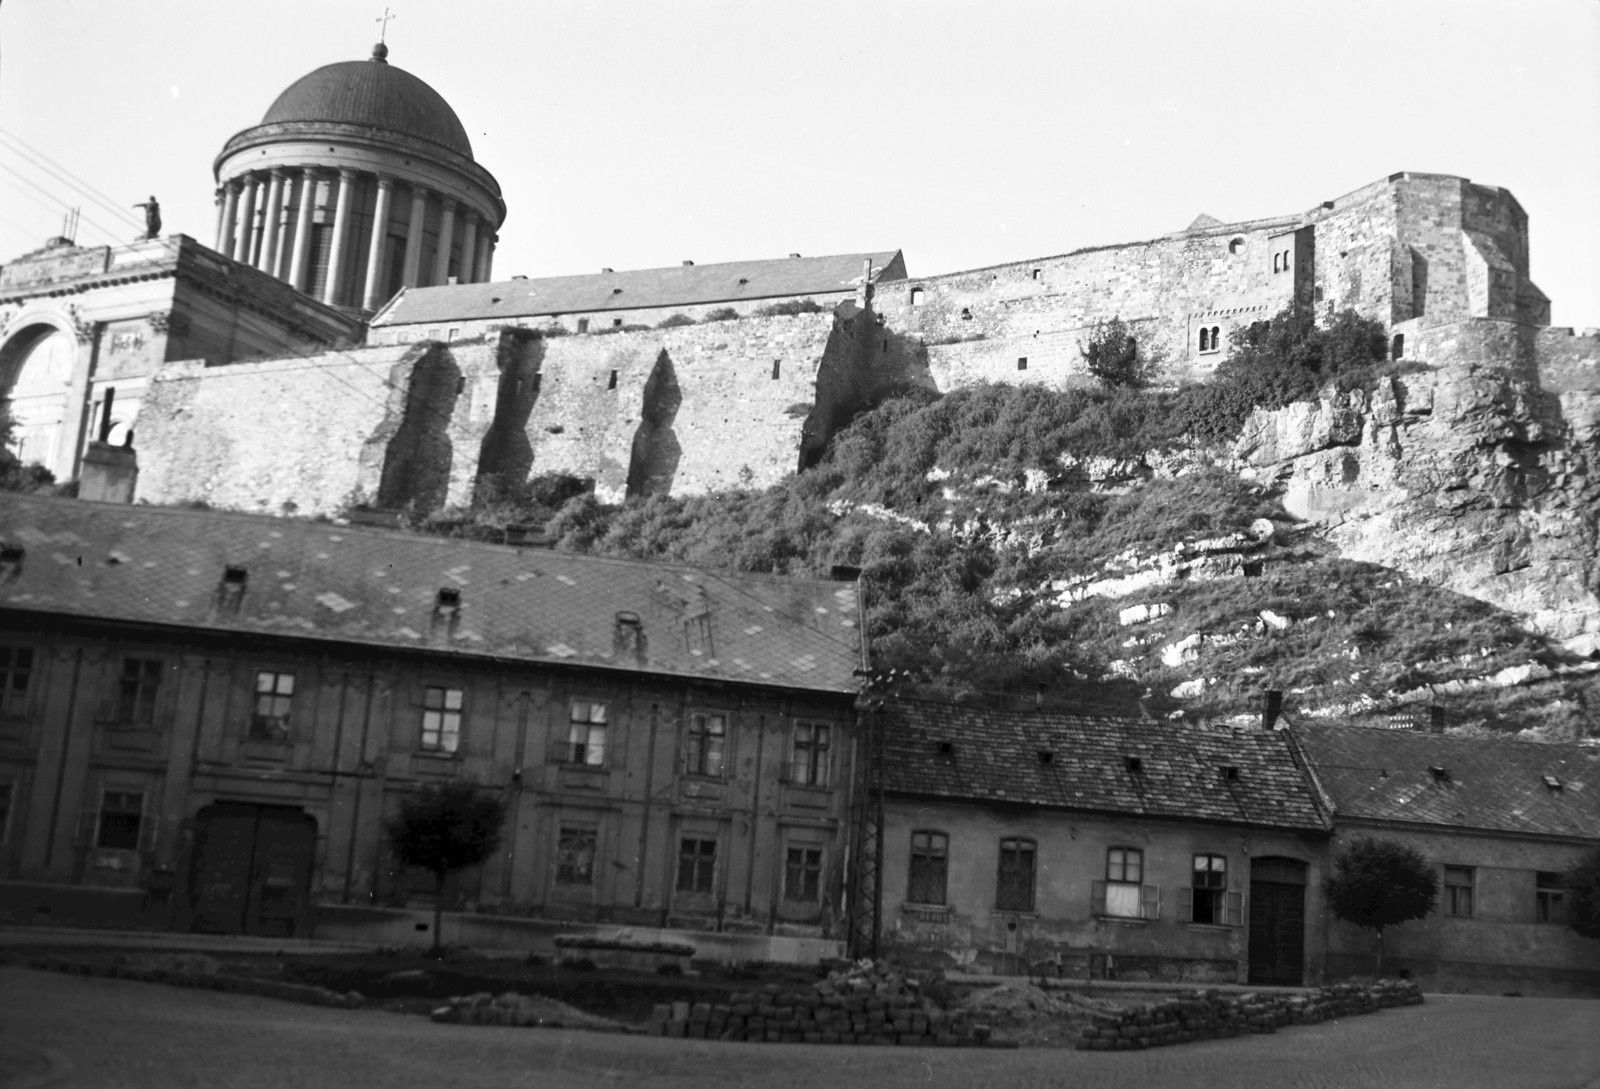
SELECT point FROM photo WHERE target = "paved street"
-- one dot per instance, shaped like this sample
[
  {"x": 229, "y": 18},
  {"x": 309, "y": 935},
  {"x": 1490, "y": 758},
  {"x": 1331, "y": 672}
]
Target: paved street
[{"x": 70, "y": 1031}]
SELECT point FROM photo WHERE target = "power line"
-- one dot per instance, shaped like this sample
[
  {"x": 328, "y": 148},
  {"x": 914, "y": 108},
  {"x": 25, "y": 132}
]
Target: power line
[
  {"x": 65, "y": 204},
  {"x": 77, "y": 182}
]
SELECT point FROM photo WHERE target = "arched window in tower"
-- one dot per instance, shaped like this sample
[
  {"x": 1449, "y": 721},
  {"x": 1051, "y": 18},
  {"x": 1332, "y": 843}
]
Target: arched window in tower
[
  {"x": 1216, "y": 338},
  {"x": 1205, "y": 339},
  {"x": 1277, "y": 262},
  {"x": 916, "y": 296}
]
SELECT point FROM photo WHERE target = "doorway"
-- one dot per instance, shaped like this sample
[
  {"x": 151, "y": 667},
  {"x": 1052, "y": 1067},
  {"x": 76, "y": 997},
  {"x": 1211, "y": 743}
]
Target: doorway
[
  {"x": 1277, "y": 921},
  {"x": 251, "y": 872}
]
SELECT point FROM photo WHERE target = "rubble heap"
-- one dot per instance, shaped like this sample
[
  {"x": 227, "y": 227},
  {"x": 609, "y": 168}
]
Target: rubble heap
[
  {"x": 1208, "y": 1014},
  {"x": 868, "y": 1003}
]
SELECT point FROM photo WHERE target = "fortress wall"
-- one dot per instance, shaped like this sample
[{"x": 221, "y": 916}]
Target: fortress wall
[
  {"x": 1569, "y": 362},
  {"x": 693, "y": 409}
]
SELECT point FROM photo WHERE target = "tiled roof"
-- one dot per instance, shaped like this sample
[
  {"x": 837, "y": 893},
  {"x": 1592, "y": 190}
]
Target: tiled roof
[
  {"x": 1379, "y": 774},
  {"x": 682, "y": 285},
  {"x": 322, "y": 581},
  {"x": 995, "y": 759}
]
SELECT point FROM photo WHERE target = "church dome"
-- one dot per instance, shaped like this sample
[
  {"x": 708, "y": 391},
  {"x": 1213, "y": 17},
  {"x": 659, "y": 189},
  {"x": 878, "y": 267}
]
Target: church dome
[{"x": 372, "y": 92}]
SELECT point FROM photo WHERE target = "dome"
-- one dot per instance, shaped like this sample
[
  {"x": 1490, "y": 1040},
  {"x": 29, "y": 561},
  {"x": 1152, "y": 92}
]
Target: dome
[{"x": 372, "y": 92}]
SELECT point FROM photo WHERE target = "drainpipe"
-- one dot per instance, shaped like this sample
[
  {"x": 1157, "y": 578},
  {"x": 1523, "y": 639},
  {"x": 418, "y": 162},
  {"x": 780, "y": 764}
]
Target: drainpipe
[
  {"x": 61, "y": 765},
  {"x": 644, "y": 820}
]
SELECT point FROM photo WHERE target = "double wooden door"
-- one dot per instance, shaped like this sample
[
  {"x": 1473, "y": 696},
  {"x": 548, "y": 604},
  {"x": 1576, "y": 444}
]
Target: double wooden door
[
  {"x": 251, "y": 871},
  {"x": 1277, "y": 921}
]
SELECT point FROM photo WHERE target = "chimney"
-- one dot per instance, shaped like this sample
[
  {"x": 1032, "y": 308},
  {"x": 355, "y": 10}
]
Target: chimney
[
  {"x": 109, "y": 473},
  {"x": 1271, "y": 708},
  {"x": 688, "y": 264}
]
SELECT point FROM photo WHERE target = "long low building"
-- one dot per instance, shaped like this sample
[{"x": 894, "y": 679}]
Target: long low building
[{"x": 206, "y": 719}]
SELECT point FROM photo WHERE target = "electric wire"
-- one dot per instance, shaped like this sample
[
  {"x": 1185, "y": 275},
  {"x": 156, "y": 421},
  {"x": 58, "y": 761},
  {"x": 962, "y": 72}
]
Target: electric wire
[
  {"x": 50, "y": 165},
  {"x": 65, "y": 204}
]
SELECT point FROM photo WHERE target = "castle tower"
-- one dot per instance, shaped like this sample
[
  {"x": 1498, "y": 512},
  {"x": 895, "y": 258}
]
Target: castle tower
[{"x": 358, "y": 181}]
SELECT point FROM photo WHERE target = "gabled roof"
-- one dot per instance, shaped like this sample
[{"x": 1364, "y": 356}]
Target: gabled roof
[
  {"x": 320, "y": 581},
  {"x": 1378, "y": 774},
  {"x": 730, "y": 282},
  {"x": 995, "y": 758}
]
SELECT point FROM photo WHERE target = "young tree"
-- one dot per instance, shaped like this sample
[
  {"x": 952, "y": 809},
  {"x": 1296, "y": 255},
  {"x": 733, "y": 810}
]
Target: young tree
[
  {"x": 1113, "y": 355},
  {"x": 444, "y": 829},
  {"x": 1582, "y": 885},
  {"x": 1378, "y": 883}
]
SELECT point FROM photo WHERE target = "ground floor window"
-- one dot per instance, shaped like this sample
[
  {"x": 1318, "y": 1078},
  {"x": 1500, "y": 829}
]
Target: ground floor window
[
  {"x": 930, "y": 862},
  {"x": 1458, "y": 890},
  {"x": 697, "y": 863},
  {"x": 1550, "y": 904},
  {"x": 802, "y": 878},
  {"x": 575, "y": 850},
  {"x": 121, "y": 814},
  {"x": 1015, "y": 891}
]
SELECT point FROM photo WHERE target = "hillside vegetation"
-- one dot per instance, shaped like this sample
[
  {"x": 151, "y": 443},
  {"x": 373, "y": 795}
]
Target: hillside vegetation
[{"x": 1083, "y": 545}]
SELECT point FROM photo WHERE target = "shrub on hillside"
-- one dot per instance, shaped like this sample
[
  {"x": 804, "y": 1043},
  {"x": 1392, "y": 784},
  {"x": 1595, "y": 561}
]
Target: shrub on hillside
[
  {"x": 721, "y": 313},
  {"x": 1114, "y": 355},
  {"x": 675, "y": 321}
]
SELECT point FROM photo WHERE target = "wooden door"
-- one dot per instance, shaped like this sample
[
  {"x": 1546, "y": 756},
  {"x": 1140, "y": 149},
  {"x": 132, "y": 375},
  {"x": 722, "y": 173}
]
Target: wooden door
[
  {"x": 1277, "y": 921},
  {"x": 251, "y": 872}
]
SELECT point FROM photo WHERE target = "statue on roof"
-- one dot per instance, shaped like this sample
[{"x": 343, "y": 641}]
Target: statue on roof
[{"x": 152, "y": 217}]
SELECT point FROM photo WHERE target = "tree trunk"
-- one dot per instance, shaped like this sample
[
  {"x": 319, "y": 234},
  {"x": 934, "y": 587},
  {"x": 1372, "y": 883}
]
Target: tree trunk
[
  {"x": 1379, "y": 970},
  {"x": 438, "y": 913}
]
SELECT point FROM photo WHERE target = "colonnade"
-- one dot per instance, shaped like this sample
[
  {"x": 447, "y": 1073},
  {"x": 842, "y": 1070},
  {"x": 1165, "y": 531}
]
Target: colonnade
[{"x": 254, "y": 227}]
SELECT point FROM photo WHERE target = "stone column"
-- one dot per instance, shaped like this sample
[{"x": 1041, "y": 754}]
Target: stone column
[
  {"x": 447, "y": 225},
  {"x": 341, "y": 227},
  {"x": 244, "y": 228},
  {"x": 217, "y": 235},
  {"x": 469, "y": 248},
  {"x": 299, "y": 267},
  {"x": 419, "y": 220},
  {"x": 269, "y": 227},
  {"x": 480, "y": 269},
  {"x": 488, "y": 257},
  {"x": 258, "y": 220},
  {"x": 376, "y": 280},
  {"x": 230, "y": 210}
]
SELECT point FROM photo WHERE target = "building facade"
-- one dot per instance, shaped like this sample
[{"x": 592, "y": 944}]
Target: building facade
[
  {"x": 1499, "y": 821},
  {"x": 1098, "y": 848},
  {"x": 206, "y": 724}
]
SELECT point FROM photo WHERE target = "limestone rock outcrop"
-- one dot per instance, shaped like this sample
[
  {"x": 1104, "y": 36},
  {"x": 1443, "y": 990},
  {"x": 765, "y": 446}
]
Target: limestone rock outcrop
[{"x": 1476, "y": 471}]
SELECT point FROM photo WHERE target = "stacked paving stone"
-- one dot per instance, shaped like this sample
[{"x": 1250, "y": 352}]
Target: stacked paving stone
[
  {"x": 1208, "y": 1014},
  {"x": 869, "y": 1003}
]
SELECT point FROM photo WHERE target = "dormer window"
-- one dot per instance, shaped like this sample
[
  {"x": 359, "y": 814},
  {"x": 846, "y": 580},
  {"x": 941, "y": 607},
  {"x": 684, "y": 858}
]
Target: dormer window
[
  {"x": 1440, "y": 774},
  {"x": 231, "y": 591},
  {"x": 449, "y": 599},
  {"x": 1230, "y": 772},
  {"x": 1046, "y": 757},
  {"x": 947, "y": 748},
  {"x": 1552, "y": 782},
  {"x": 1133, "y": 763}
]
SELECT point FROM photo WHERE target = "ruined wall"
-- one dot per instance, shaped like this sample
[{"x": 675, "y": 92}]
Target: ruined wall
[
  {"x": 315, "y": 434},
  {"x": 693, "y": 409}
]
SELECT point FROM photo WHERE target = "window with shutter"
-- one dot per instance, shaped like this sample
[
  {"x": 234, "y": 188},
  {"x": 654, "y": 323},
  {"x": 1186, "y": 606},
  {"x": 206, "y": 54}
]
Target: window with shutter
[
  {"x": 1233, "y": 909},
  {"x": 1185, "y": 905},
  {"x": 1149, "y": 902},
  {"x": 1124, "y": 872},
  {"x": 1208, "y": 885}
]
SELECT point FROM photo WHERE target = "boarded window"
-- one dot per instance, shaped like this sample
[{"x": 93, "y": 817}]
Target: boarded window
[
  {"x": 441, "y": 718},
  {"x": 269, "y": 720},
  {"x": 575, "y": 849},
  {"x": 697, "y": 864},
  {"x": 1014, "y": 891},
  {"x": 930, "y": 868},
  {"x": 802, "y": 874}
]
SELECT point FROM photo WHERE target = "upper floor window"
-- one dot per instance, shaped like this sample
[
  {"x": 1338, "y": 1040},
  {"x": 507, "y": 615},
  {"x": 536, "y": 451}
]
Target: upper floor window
[
  {"x": 1123, "y": 893},
  {"x": 930, "y": 868},
  {"x": 1458, "y": 890},
  {"x": 16, "y": 666},
  {"x": 269, "y": 720},
  {"x": 575, "y": 850},
  {"x": 136, "y": 693},
  {"x": 1211, "y": 338},
  {"x": 1014, "y": 891},
  {"x": 808, "y": 765},
  {"x": 121, "y": 815},
  {"x": 802, "y": 874},
  {"x": 708, "y": 738},
  {"x": 1550, "y": 902},
  {"x": 441, "y": 718},
  {"x": 916, "y": 296},
  {"x": 586, "y": 733}
]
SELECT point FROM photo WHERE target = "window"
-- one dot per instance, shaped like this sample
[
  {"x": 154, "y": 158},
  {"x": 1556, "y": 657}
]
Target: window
[
  {"x": 136, "y": 695},
  {"x": 1458, "y": 891},
  {"x": 121, "y": 813},
  {"x": 1277, "y": 262},
  {"x": 1022, "y": 363},
  {"x": 5, "y": 810},
  {"x": 611, "y": 383},
  {"x": 802, "y": 874},
  {"x": 708, "y": 738},
  {"x": 697, "y": 862},
  {"x": 586, "y": 734},
  {"x": 575, "y": 856},
  {"x": 1208, "y": 889},
  {"x": 1550, "y": 903},
  {"x": 1015, "y": 889},
  {"x": 1038, "y": 274},
  {"x": 583, "y": 325},
  {"x": 777, "y": 365},
  {"x": 16, "y": 664},
  {"x": 916, "y": 296},
  {"x": 930, "y": 868},
  {"x": 1397, "y": 346},
  {"x": 809, "y": 766},
  {"x": 1122, "y": 894},
  {"x": 441, "y": 718},
  {"x": 274, "y": 694},
  {"x": 616, "y": 323}
]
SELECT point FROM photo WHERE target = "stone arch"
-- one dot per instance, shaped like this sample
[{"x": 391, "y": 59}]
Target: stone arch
[
  {"x": 417, "y": 458},
  {"x": 656, "y": 451},
  {"x": 38, "y": 362}
]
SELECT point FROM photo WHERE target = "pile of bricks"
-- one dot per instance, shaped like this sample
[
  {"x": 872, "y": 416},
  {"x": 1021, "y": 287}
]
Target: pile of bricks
[
  {"x": 867, "y": 1004},
  {"x": 1205, "y": 1015}
]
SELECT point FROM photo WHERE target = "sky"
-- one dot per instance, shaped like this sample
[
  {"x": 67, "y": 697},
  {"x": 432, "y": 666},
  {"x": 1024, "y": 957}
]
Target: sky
[{"x": 634, "y": 134}]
